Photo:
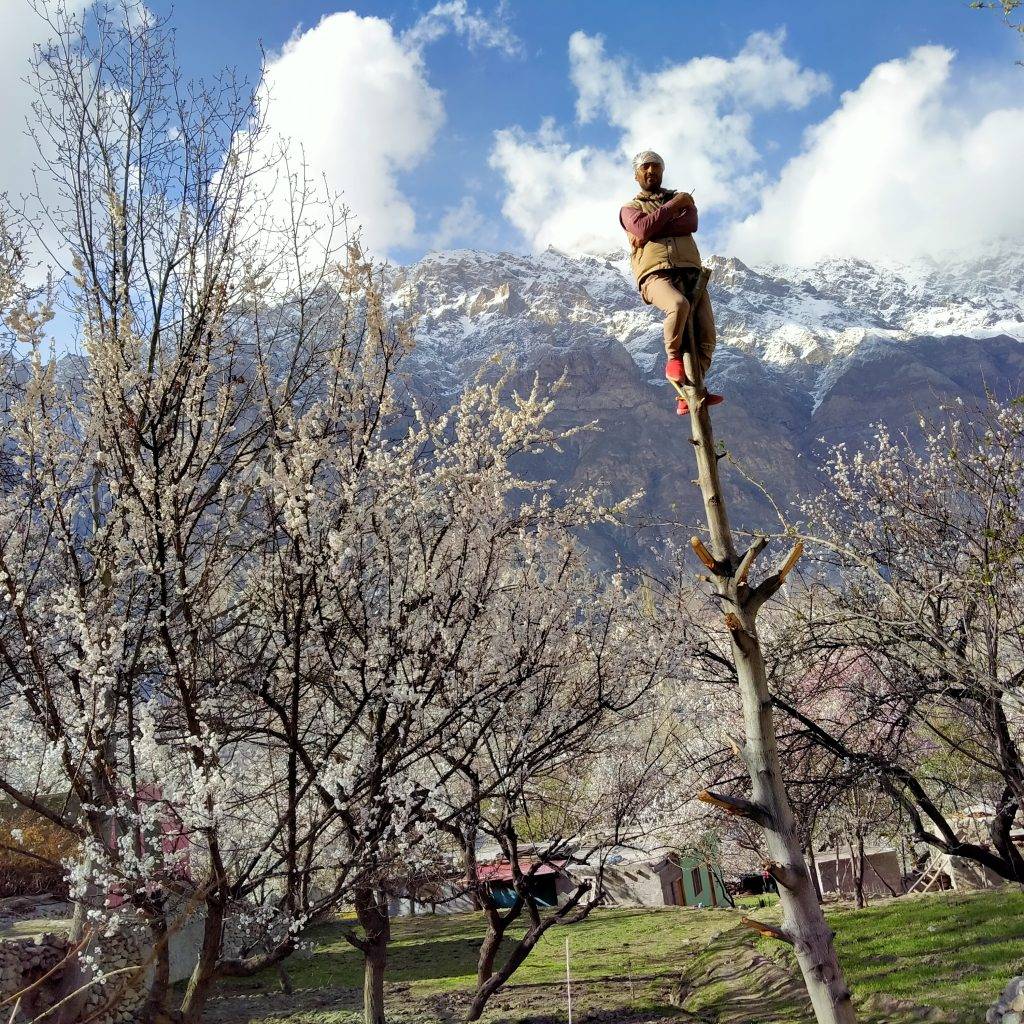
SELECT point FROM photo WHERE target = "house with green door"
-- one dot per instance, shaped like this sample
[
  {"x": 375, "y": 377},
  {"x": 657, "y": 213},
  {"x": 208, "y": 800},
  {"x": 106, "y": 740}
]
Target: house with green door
[{"x": 665, "y": 878}]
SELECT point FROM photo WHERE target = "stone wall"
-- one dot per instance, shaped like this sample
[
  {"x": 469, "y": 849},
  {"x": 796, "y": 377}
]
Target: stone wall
[
  {"x": 1009, "y": 1007},
  {"x": 24, "y": 962}
]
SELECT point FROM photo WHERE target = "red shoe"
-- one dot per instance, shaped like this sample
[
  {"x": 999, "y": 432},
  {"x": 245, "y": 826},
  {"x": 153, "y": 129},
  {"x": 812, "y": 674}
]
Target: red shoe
[
  {"x": 674, "y": 371},
  {"x": 683, "y": 408}
]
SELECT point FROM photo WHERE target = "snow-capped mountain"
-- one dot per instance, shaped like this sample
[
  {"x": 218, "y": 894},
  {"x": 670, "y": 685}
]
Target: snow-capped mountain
[{"x": 805, "y": 355}]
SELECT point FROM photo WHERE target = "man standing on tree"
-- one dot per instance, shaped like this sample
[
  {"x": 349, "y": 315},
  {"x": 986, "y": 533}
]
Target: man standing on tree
[{"x": 660, "y": 224}]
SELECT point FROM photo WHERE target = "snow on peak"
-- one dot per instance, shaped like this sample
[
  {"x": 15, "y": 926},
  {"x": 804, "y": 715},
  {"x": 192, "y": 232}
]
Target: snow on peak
[{"x": 472, "y": 303}]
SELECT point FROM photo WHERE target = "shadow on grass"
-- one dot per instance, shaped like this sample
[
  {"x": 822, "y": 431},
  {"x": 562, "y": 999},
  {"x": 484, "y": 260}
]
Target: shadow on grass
[{"x": 442, "y": 950}]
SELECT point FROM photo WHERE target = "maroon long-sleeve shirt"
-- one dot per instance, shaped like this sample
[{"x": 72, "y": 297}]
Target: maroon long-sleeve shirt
[{"x": 663, "y": 223}]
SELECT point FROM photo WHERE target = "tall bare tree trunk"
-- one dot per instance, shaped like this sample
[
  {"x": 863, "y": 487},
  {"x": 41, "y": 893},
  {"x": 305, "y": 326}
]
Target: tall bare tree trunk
[{"x": 803, "y": 922}]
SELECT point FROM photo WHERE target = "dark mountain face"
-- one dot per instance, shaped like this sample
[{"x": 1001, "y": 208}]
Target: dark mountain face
[{"x": 807, "y": 359}]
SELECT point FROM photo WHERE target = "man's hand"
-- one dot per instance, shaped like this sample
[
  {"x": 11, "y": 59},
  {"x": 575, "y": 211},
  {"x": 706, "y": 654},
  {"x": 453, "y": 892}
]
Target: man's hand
[
  {"x": 635, "y": 242},
  {"x": 680, "y": 201}
]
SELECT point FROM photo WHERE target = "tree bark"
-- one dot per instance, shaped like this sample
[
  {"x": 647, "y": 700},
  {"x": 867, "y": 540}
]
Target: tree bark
[
  {"x": 372, "y": 911},
  {"x": 803, "y": 920},
  {"x": 373, "y": 983},
  {"x": 856, "y": 872},
  {"x": 487, "y": 986},
  {"x": 204, "y": 972},
  {"x": 489, "y": 947},
  {"x": 498, "y": 978}
]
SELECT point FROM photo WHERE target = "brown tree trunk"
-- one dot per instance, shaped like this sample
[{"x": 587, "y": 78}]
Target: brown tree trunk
[
  {"x": 856, "y": 875},
  {"x": 203, "y": 974},
  {"x": 803, "y": 922},
  {"x": 372, "y": 912},
  {"x": 469, "y": 864},
  {"x": 487, "y": 986},
  {"x": 498, "y": 978},
  {"x": 489, "y": 948},
  {"x": 861, "y": 900},
  {"x": 373, "y": 983}
]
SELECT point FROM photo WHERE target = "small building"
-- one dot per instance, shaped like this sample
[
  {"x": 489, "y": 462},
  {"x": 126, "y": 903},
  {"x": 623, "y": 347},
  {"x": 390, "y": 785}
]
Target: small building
[
  {"x": 666, "y": 880},
  {"x": 548, "y": 884},
  {"x": 883, "y": 872}
]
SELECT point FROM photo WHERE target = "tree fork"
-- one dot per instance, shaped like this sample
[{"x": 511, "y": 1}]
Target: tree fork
[{"x": 803, "y": 923}]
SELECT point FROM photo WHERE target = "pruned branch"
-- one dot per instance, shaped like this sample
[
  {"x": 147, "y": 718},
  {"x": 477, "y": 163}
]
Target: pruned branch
[
  {"x": 773, "y": 583},
  {"x": 784, "y": 874},
  {"x": 768, "y": 931},
  {"x": 734, "y": 805},
  {"x": 749, "y": 557},
  {"x": 704, "y": 555}
]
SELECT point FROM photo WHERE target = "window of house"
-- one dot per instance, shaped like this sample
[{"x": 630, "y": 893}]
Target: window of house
[{"x": 696, "y": 881}]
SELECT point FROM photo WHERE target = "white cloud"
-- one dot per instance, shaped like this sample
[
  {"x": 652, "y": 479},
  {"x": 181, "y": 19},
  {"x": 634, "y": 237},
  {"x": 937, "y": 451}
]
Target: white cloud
[
  {"x": 463, "y": 224},
  {"x": 699, "y": 115},
  {"x": 911, "y": 163},
  {"x": 356, "y": 103},
  {"x": 474, "y": 26},
  {"x": 22, "y": 28}
]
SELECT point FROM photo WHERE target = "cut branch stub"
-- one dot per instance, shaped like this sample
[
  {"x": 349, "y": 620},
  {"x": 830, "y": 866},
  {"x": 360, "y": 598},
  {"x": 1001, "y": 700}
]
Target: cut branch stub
[
  {"x": 749, "y": 557},
  {"x": 783, "y": 874},
  {"x": 791, "y": 559},
  {"x": 768, "y": 931},
  {"x": 705, "y": 556},
  {"x": 734, "y": 805},
  {"x": 771, "y": 586}
]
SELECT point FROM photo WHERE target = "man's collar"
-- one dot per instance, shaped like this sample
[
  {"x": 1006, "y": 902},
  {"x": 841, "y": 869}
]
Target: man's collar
[{"x": 660, "y": 193}]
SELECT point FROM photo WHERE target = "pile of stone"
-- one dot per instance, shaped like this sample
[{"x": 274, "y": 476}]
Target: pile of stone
[
  {"x": 1009, "y": 1007},
  {"x": 33, "y": 975}
]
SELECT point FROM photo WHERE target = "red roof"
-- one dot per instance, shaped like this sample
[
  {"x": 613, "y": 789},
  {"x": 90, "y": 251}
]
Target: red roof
[{"x": 501, "y": 870}]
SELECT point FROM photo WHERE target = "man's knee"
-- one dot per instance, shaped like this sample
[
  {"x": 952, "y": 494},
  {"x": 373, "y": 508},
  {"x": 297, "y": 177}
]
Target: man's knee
[{"x": 680, "y": 308}]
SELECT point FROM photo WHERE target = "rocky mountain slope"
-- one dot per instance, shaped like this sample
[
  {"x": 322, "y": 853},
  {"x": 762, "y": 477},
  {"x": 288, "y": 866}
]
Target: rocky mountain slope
[{"x": 807, "y": 358}]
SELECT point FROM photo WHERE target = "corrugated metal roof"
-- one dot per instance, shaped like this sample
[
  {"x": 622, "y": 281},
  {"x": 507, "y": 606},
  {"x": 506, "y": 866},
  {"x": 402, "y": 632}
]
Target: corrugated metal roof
[{"x": 501, "y": 871}]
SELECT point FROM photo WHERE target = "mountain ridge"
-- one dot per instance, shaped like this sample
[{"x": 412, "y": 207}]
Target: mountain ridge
[{"x": 807, "y": 358}]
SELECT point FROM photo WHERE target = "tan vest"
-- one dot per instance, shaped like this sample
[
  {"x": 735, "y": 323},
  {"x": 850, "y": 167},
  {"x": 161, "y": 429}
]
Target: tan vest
[{"x": 661, "y": 253}]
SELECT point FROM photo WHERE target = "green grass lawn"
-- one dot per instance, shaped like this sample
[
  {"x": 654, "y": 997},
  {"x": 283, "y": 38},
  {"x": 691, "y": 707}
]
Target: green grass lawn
[{"x": 946, "y": 951}]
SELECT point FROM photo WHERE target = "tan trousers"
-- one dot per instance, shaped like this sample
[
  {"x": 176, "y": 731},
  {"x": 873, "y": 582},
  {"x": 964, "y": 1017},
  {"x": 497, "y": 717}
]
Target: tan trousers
[{"x": 659, "y": 289}]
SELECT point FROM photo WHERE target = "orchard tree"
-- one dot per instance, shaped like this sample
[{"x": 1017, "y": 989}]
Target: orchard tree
[
  {"x": 572, "y": 755},
  {"x": 916, "y": 625},
  {"x": 250, "y": 590}
]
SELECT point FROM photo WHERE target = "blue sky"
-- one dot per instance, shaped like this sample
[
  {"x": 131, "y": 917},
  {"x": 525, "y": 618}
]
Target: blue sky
[{"x": 456, "y": 155}]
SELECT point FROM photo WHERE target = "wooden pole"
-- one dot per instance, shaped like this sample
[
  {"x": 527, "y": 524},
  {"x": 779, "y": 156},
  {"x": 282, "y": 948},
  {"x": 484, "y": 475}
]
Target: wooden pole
[{"x": 803, "y": 921}]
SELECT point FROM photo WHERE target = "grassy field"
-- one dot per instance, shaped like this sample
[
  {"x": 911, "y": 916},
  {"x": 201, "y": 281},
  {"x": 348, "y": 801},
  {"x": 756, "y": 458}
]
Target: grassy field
[
  {"x": 948, "y": 951},
  {"x": 936, "y": 957}
]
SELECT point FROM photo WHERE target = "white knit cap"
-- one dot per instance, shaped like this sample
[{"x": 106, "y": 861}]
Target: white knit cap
[{"x": 647, "y": 156}]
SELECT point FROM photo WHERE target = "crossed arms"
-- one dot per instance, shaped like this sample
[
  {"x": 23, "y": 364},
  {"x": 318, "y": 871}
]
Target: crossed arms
[{"x": 676, "y": 217}]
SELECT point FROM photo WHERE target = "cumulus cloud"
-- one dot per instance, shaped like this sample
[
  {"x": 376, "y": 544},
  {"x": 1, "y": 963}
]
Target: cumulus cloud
[
  {"x": 911, "y": 163},
  {"x": 699, "y": 115},
  {"x": 355, "y": 103}
]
